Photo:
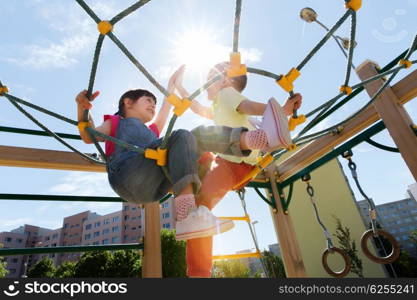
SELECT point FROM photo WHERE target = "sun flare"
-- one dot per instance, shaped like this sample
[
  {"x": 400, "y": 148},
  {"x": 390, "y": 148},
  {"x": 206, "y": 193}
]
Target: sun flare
[{"x": 199, "y": 50}]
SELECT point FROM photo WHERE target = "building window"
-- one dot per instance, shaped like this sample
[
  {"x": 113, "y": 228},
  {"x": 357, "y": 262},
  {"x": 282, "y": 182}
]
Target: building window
[
  {"x": 166, "y": 225},
  {"x": 126, "y": 227},
  {"x": 106, "y": 231},
  {"x": 134, "y": 208},
  {"x": 116, "y": 219},
  {"x": 87, "y": 236},
  {"x": 115, "y": 229},
  {"x": 66, "y": 225},
  {"x": 19, "y": 241},
  {"x": 97, "y": 224},
  {"x": 97, "y": 233},
  {"x": 106, "y": 221},
  {"x": 95, "y": 243},
  {"x": 126, "y": 207},
  {"x": 126, "y": 217},
  {"x": 8, "y": 239},
  {"x": 88, "y": 226},
  {"x": 54, "y": 236},
  {"x": 165, "y": 215},
  {"x": 133, "y": 228},
  {"x": 15, "y": 260},
  {"x": 47, "y": 238},
  {"x": 105, "y": 241},
  {"x": 115, "y": 239}
]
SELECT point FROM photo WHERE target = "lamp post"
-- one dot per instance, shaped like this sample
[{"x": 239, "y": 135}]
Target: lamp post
[{"x": 309, "y": 15}]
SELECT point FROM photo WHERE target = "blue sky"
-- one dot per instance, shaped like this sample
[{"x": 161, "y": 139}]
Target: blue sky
[{"x": 46, "y": 52}]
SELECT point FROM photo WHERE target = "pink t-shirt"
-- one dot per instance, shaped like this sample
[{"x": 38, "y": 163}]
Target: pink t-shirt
[{"x": 115, "y": 119}]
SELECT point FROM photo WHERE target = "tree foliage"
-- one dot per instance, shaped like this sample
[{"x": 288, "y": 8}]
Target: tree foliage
[
  {"x": 3, "y": 265},
  {"x": 43, "y": 268},
  {"x": 273, "y": 264},
  {"x": 349, "y": 246},
  {"x": 173, "y": 255},
  {"x": 230, "y": 268}
]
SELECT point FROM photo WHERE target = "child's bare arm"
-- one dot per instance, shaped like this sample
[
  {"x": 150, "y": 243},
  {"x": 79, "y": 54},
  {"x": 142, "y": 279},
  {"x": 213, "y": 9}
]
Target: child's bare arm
[
  {"x": 196, "y": 107},
  {"x": 202, "y": 110},
  {"x": 253, "y": 108},
  {"x": 82, "y": 104}
]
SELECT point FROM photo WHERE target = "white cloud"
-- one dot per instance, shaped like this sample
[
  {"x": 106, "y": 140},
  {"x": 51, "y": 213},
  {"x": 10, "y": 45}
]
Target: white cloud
[
  {"x": 13, "y": 223},
  {"x": 79, "y": 183}
]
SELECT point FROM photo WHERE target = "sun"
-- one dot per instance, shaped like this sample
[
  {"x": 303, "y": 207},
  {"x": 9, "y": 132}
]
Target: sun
[{"x": 198, "y": 49}]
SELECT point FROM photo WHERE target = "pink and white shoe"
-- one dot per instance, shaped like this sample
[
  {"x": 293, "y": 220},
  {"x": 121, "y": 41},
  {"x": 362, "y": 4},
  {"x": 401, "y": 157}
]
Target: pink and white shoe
[
  {"x": 275, "y": 125},
  {"x": 201, "y": 223}
]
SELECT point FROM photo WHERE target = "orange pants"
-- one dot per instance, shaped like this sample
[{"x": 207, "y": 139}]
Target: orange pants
[{"x": 219, "y": 180}]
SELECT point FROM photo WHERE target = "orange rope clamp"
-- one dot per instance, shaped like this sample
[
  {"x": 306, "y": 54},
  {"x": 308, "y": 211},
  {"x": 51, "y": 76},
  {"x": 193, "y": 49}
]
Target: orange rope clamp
[
  {"x": 354, "y": 4},
  {"x": 236, "y": 67},
  {"x": 83, "y": 125},
  {"x": 180, "y": 105},
  {"x": 405, "y": 62},
  {"x": 104, "y": 27},
  {"x": 160, "y": 155},
  {"x": 294, "y": 122},
  {"x": 3, "y": 90},
  {"x": 345, "y": 89},
  {"x": 286, "y": 81}
]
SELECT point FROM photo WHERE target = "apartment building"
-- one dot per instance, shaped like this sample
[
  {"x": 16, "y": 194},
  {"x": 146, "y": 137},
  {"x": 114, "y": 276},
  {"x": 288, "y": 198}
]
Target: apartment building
[{"x": 85, "y": 228}]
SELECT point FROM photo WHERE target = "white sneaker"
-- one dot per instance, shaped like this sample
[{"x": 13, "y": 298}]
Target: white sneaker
[{"x": 201, "y": 223}]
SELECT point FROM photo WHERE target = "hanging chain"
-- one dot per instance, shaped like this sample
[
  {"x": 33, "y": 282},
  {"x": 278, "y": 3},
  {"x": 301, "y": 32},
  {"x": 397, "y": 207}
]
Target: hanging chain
[
  {"x": 310, "y": 191},
  {"x": 371, "y": 205}
]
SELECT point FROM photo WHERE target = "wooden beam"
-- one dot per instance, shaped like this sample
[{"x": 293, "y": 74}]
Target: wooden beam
[
  {"x": 406, "y": 89},
  {"x": 285, "y": 231},
  {"x": 46, "y": 159},
  {"x": 394, "y": 115},
  {"x": 152, "y": 258}
]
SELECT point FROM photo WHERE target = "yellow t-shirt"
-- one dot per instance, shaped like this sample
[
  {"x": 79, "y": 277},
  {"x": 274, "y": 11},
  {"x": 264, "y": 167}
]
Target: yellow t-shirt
[{"x": 225, "y": 114}]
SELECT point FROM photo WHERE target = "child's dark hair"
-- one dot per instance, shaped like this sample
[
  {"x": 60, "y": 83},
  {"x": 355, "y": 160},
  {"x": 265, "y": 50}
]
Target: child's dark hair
[{"x": 134, "y": 95}]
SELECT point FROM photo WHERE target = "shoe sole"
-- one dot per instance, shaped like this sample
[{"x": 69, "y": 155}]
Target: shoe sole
[
  {"x": 281, "y": 126},
  {"x": 223, "y": 227}
]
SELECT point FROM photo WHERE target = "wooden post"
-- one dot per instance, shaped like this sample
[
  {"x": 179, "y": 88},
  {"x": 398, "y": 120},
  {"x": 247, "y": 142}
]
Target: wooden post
[
  {"x": 287, "y": 239},
  {"x": 394, "y": 115},
  {"x": 152, "y": 261}
]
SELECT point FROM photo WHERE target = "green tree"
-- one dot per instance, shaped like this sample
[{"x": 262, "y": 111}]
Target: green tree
[
  {"x": 43, "y": 268},
  {"x": 65, "y": 270},
  {"x": 274, "y": 265},
  {"x": 230, "y": 268},
  {"x": 125, "y": 263},
  {"x": 405, "y": 265},
  {"x": 3, "y": 265},
  {"x": 173, "y": 255},
  {"x": 93, "y": 264},
  {"x": 349, "y": 246}
]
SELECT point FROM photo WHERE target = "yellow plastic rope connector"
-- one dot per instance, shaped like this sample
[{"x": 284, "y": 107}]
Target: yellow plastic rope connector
[
  {"x": 286, "y": 80},
  {"x": 180, "y": 105},
  {"x": 405, "y": 62},
  {"x": 236, "y": 67},
  {"x": 83, "y": 125},
  {"x": 262, "y": 164},
  {"x": 3, "y": 90},
  {"x": 104, "y": 27},
  {"x": 294, "y": 122},
  {"x": 372, "y": 214},
  {"x": 345, "y": 89},
  {"x": 160, "y": 155},
  {"x": 292, "y": 147},
  {"x": 354, "y": 4}
]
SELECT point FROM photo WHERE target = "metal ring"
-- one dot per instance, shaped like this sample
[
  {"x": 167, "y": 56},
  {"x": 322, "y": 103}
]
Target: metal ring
[
  {"x": 352, "y": 165},
  {"x": 310, "y": 190},
  {"x": 395, "y": 253},
  {"x": 345, "y": 257}
]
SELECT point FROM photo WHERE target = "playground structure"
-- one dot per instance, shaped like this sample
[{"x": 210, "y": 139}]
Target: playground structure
[{"x": 308, "y": 152}]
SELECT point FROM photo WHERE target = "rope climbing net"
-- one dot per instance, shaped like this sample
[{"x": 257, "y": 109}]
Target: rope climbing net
[{"x": 286, "y": 82}]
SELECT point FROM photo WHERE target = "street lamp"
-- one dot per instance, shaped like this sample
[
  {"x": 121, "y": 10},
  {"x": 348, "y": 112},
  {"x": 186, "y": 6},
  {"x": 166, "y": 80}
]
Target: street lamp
[{"x": 309, "y": 15}]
